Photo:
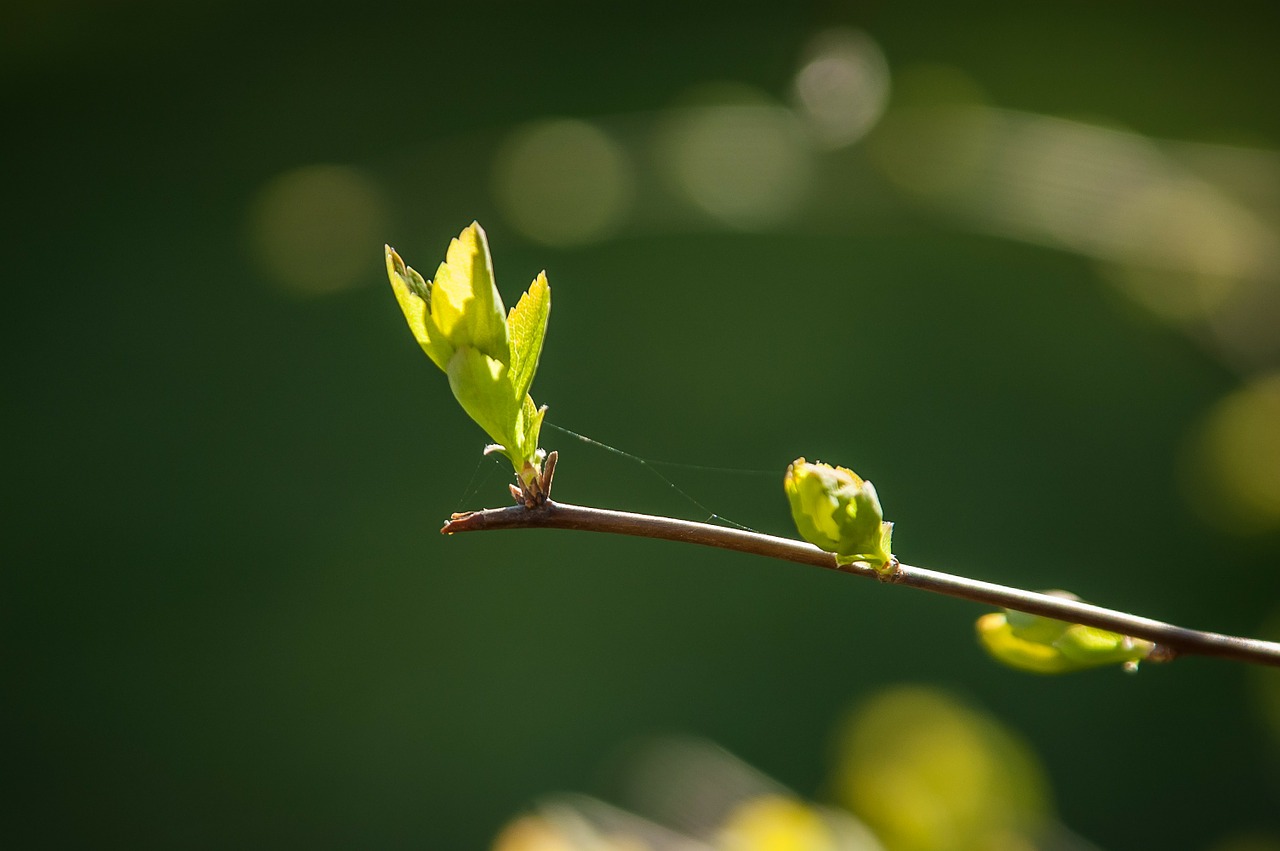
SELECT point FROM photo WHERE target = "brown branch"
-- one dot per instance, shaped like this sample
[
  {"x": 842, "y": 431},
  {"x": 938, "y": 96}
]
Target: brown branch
[{"x": 1171, "y": 640}]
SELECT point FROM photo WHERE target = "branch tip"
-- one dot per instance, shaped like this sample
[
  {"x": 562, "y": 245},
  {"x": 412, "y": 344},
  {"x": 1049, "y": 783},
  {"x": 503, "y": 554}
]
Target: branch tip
[{"x": 536, "y": 492}]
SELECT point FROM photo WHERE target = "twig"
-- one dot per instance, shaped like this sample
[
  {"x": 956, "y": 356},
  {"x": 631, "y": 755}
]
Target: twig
[{"x": 1171, "y": 640}]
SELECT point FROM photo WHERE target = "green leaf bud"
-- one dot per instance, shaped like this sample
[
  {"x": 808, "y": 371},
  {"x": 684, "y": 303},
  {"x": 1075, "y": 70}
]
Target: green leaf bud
[
  {"x": 837, "y": 511},
  {"x": 1048, "y": 646}
]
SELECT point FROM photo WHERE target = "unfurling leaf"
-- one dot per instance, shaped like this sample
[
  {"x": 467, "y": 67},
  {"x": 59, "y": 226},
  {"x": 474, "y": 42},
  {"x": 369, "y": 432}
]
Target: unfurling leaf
[
  {"x": 1047, "y": 646},
  {"x": 839, "y": 512},
  {"x": 482, "y": 386},
  {"x": 526, "y": 326},
  {"x": 414, "y": 295},
  {"x": 490, "y": 358}
]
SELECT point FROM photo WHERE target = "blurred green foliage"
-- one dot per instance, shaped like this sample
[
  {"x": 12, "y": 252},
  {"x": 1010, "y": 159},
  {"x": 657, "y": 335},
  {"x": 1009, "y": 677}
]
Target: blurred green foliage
[
  {"x": 927, "y": 772},
  {"x": 228, "y": 619}
]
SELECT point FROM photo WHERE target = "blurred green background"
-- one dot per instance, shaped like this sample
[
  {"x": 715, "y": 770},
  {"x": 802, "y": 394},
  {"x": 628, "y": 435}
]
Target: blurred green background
[{"x": 1016, "y": 263}]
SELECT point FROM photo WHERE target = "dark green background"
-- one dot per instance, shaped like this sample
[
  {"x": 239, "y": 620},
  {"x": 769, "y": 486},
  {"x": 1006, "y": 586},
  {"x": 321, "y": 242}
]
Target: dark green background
[{"x": 228, "y": 618}]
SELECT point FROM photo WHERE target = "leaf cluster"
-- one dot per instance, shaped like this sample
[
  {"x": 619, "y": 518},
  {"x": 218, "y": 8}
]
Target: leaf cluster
[{"x": 489, "y": 356}]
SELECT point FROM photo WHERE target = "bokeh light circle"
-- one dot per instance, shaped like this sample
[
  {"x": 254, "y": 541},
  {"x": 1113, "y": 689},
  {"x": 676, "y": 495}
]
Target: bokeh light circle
[
  {"x": 842, "y": 87},
  {"x": 317, "y": 229},
  {"x": 747, "y": 165},
  {"x": 563, "y": 182},
  {"x": 927, "y": 772},
  {"x": 1233, "y": 471}
]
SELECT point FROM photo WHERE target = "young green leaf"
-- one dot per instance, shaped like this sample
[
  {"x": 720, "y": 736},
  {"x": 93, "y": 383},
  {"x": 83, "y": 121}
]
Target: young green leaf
[
  {"x": 464, "y": 299},
  {"x": 838, "y": 511},
  {"x": 482, "y": 385},
  {"x": 414, "y": 296},
  {"x": 526, "y": 326},
  {"x": 530, "y": 426}
]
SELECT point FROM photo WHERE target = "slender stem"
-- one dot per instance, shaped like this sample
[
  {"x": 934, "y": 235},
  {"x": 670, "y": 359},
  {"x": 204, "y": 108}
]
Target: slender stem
[{"x": 1171, "y": 640}]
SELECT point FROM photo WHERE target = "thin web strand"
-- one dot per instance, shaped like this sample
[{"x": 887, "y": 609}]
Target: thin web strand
[
  {"x": 477, "y": 481},
  {"x": 741, "y": 471},
  {"x": 650, "y": 465}
]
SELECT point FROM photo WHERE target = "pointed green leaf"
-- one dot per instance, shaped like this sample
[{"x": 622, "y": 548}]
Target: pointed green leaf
[
  {"x": 464, "y": 299},
  {"x": 526, "y": 327},
  {"x": 414, "y": 297}
]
